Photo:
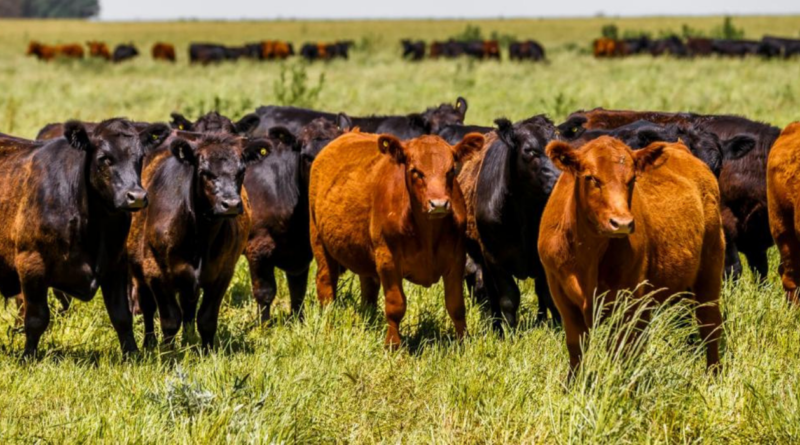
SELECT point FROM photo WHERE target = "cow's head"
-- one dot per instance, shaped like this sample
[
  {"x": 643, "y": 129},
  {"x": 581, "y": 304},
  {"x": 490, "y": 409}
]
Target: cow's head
[
  {"x": 213, "y": 122},
  {"x": 573, "y": 128},
  {"x": 704, "y": 145},
  {"x": 605, "y": 172},
  {"x": 34, "y": 48},
  {"x": 527, "y": 140},
  {"x": 219, "y": 162},
  {"x": 114, "y": 152},
  {"x": 317, "y": 135},
  {"x": 430, "y": 168},
  {"x": 445, "y": 114}
]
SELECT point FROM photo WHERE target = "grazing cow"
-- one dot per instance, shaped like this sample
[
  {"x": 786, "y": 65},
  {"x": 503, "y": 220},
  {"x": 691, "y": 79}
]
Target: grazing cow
[
  {"x": 506, "y": 186},
  {"x": 413, "y": 50},
  {"x": 736, "y": 48},
  {"x": 99, "y": 50},
  {"x": 192, "y": 234},
  {"x": 742, "y": 179},
  {"x": 206, "y": 53},
  {"x": 212, "y": 122},
  {"x": 66, "y": 212},
  {"x": 124, "y": 52},
  {"x": 528, "y": 50},
  {"x": 783, "y": 193},
  {"x": 404, "y": 127},
  {"x": 608, "y": 227},
  {"x": 705, "y": 146},
  {"x": 454, "y": 133},
  {"x": 48, "y": 53},
  {"x": 672, "y": 46},
  {"x": 389, "y": 210},
  {"x": 786, "y": 47},
  {"x": 164, "y": 51},
  {"x": 699, "y": 47},
  {"x": 605, "y": 47}
]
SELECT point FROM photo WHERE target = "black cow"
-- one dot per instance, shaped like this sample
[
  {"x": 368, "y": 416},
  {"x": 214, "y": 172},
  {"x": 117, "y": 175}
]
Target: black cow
[
  {"x": 206, "y": 53},
  {"x": 507, "y": 191},
  {"x": 528, "y": 50},
  {"x": 788, "y": 47},
  {"x": 66, "y": 213},
  {"x": 673, "y": 46},
  {"x": 124, "y": 52},
  {"x": 638, "y": 45},
  {"x": 453, "y": 134},
  {"x": 736, "y": 48},
  {"x": 194, "y": 231},
  {"x": 413, "y": 50},
  {"x": 404, "y": 127}
]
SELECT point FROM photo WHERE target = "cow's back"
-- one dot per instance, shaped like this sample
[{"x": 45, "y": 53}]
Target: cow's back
[{"x": 341, "y": 193}]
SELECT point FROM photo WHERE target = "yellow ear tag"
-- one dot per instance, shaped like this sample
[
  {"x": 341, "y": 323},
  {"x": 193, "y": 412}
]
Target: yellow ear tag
[
  {"x": 155, "y": 136},
  {"x": 575, "y": 130},
  {"x": 263, "y": 152},
  {"x": 180, "y": 127},
  {"x": 386, "y": 144}
]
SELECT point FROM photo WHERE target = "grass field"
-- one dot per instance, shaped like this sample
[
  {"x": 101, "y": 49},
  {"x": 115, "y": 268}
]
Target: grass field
[{"x": 328, "y": 378}]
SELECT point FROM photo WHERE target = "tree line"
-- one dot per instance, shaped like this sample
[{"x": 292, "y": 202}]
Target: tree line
[{"x": 49, "y": 8}]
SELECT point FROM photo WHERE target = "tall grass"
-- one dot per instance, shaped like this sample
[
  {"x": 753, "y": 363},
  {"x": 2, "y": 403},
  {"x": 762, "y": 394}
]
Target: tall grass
[{"x": 328, "y": 378}]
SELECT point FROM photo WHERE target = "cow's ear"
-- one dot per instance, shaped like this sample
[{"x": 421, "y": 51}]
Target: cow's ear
[
  {"x": 650, "y": 157},
  {"x": 471, "y": 144},
  {"x": 564, "y": 156},
  {"x": 505, "y": 131},
  {"x": 416, "y": 120},
  {"x": 76, "y": 135},
  {"x": 153, "y": 136},
  {"x": 284, "y": 135},
  {"x": 180, "y": 123},
  {"x": 344, "y": 122},
  {"x": 391, "y": 146},
  {"x": 461, "y": 106},
  {"x": 256, "y": 150},
  {"x": 737, "y": 147},
  {"x": 183, "y": 151},
  {"x": 247, "y": 123}
]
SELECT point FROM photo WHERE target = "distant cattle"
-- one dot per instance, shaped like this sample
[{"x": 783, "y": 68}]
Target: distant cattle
[
  {"x": 699, "y": 47},
  {"x": 605, "y": 47},
  {"x": 47, "y": 52},
  {"x": 191, "y": 236},
  {"x": 207, "y": 53},
  {"x": 618, "y": 218},
  {"x": 66, "y": 212},
  {"x": 403, "y": 126},
  {"x": 413, "y": 50},
  {"x": 480, "y": 49},
  {"x": 742, "y": 179},
  {"x": 164, "y": 51},
  {"x": 390, "y": 211},
  {"x": 274, "y": 50},
  {"x": 528, "y": 50},
  {"x": 99, "y": 50},
  {"x": 637, "y": 45},
  {"x": 738, "y": 48},
  {"x": 783, "y": 193},
  {"x": 672, "y": 46},
  {"x": 786, "y": 47},
  {"x": 124, "y": 52},
  {"x": 326, "y": 51},
  {"x": 506, "y": 186}
]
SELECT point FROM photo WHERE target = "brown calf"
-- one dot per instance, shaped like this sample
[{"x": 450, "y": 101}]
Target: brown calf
[
  {"x": 390, "y": 210},
  {"x": 608, "y": 227},
  {"x": 163, "y": 51},
  {"x": 783, "y": 198},
  {"x": 99, "y": 50}
]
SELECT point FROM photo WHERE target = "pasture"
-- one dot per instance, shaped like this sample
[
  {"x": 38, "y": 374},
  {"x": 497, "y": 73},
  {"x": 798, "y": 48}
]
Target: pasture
[{"x": 328, "y": 378}]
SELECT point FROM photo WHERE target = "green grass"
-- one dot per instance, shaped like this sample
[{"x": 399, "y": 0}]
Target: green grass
[{"x": 328, "y": 378}]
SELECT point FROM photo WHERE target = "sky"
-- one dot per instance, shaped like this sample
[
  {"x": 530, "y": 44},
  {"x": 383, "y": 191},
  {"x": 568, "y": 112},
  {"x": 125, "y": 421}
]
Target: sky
[{"x": 354, "y": 9}]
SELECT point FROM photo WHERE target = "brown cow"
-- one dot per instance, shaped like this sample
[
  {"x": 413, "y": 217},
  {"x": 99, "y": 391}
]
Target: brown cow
[
  {"x": 164, "y": 51},
  {"x": 47, "y": 52},
  {"x": 783, "y": 198},
  {"x": 605, "y": 47},
  {"x": 588, "y": 244},
  {"x": 99, "y": 50},
  {"x": 389, "y": 210}
]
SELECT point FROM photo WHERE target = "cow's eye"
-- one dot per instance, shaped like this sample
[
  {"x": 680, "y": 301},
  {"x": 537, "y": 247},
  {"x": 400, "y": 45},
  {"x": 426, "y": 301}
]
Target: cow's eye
[{"x": 416, "y": 174}]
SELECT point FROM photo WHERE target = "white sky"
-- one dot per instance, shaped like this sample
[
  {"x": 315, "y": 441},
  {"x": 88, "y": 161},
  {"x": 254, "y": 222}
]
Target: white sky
[{"x": 344, "y": 9}]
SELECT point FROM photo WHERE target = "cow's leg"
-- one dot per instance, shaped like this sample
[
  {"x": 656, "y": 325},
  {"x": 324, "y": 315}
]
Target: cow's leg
[
  {"x": 208, "y": 317},
  {"x": 733, "y": 264},
  {"x": 262, "y": 276},
  {"x": 507, "y": 296},
  {"x": 169, "y": 312},
  {"x": 37, "y": 313},
  {"x": 188, "y": 299},
  {"x": 114, "y": 285},
  {"x": 707, "y": 289},
  {"x": 395, "y": 298},
  {"x": 759, "y": 265},
  {"x": 370, "y": 288},
  {"x": 789, "y": 249},
  {"x": 454, "y": 298},
  {"x": 327, "y": 269},
  {"x": 147, "y": 304},
  {"x": 545, "y": 302},
  {"x": 298, "y": 284}
]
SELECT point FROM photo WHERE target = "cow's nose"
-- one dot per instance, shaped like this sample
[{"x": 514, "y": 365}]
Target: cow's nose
[
  {"x": 232, "y": 206},
  {"x": 438, "y": 206},
  {"x": 136, "y": 199},
  {"x": 621, "y": 226}
]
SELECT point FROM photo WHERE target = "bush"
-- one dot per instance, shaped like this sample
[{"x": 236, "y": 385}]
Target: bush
[
  {"x": 470, "y": 33},
  {"x": 728, "y": 30},
  {"x": 297, "y": 91},
  {"x": 610, "y": 32},
  {"x": 503, "y": 39}
]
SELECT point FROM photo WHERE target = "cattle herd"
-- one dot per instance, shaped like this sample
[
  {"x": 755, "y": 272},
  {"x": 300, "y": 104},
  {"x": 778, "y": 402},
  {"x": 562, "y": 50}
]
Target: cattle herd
[
  {"x": 155, "y": 215},
  {"x": 768, "y": 47},
  {"x": 476, "y": 49}
]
